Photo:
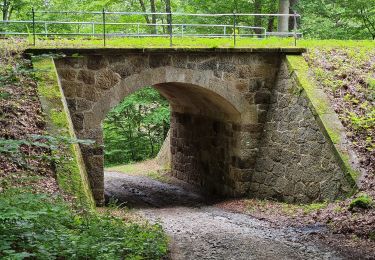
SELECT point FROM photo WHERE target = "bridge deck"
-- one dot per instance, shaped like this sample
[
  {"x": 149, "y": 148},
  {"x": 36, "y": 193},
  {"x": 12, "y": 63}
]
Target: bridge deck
[{"x": 108, "y": 51}]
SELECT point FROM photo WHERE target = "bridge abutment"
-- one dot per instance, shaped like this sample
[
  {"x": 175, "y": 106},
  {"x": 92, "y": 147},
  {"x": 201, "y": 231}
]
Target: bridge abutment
[{"x": 239, "y": 124}]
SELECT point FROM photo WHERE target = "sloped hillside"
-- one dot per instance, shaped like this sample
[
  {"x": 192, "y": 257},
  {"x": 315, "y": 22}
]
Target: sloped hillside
[{"x": 38, "y": 219}]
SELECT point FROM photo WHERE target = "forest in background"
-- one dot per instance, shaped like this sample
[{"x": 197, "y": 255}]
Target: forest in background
[
  {"x": 320, "y": 19},
  {"x": 136, "y": 128}
]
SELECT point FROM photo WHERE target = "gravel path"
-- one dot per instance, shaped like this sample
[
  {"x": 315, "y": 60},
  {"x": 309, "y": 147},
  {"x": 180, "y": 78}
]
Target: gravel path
[{"x": 198, "y": 231}]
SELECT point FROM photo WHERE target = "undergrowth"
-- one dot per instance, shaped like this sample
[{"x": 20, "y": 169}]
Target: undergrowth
[
  {"x": 38, "y": 219},
  {"x": 348, "y": 77},
  {"x": 42, "y": 227}
]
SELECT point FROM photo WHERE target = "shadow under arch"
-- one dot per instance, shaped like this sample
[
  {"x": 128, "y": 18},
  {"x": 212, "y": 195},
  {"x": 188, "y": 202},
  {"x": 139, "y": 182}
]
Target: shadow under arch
[
  {"x": 201, "y": 136},
  {"x": 201, "y": 150}
]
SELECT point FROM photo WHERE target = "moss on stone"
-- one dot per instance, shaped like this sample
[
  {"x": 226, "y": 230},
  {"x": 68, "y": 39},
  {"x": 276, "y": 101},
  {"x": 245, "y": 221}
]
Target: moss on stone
[
  {"x": 323, "y": 111},
  {"x": 70, "y": 169},
  {"x": 334, "y": 135},
  {"x": 364, "y": 201},
  {"x": 58, "y": 119},
  {"x": 346, "y": 160}
]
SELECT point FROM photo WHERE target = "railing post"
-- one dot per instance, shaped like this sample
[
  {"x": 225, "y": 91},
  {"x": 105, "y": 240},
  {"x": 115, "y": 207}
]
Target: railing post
[
  {"x": 234, "y": 29},
  {"x": 45, "y": 29},
  {"x": 104, "y": 32},
  {"x": 295, "y": 28},
  {"x": 225, "y": 30},
  {"x": 33, "y": 12},
  {"x": 138, "y": 30},
  {"x": 182, "y": 31}
]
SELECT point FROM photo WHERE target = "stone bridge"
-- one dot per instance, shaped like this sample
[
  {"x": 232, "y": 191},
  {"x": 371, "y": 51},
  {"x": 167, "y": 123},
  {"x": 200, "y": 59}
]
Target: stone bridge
[{"x": 240, "y": 126}]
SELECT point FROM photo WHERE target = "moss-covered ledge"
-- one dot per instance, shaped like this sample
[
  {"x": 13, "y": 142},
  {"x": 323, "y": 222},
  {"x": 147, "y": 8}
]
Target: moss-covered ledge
[
  {"x": 70, "y": 169},
  {"x": 326, "y": 117}
]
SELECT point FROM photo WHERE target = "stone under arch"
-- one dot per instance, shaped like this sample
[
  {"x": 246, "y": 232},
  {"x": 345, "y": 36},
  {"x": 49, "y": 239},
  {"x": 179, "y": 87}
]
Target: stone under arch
[{"x": 239, "y": 123}]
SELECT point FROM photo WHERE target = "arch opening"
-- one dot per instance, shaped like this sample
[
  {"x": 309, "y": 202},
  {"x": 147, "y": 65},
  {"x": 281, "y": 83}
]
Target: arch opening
[{"x": 200, "y": 135}]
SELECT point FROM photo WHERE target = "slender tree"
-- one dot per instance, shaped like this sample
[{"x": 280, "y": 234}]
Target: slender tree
[
  {"x": 258, "y": 19},
  {"x": 283, "y": 25},
  {"x": 153, "y": 16},
  {"x": 169, "y": 17},
  {"x": 144, "y": 9},
  {"x": 9, "y": 6}
]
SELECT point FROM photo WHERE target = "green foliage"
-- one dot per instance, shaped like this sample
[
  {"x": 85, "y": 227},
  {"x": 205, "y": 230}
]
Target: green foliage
[
  {"x": 13, "y": 148},
  {"x": 40, "y": 227},
  {"x": 321, "y": 19},
  {"x": 337, "y": 19},
  {"x": 136, "y": 128},
  {"x": 364, "y": 201}
]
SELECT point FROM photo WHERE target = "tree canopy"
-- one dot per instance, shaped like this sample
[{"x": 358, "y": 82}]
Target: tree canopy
[{"x": 321, "y": 19}]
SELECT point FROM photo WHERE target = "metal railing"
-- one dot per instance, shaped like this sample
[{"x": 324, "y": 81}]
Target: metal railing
[{"x": 98, "y": 25}]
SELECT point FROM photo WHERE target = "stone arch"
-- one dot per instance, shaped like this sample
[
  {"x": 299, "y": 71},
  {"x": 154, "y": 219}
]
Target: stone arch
[
  {"x": 220, "y": 98},
  {"x": 174, "y": 77}
]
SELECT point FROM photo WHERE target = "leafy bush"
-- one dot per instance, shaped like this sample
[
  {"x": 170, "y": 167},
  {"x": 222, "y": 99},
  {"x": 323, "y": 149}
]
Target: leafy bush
[{"x": 37, "y": 226}]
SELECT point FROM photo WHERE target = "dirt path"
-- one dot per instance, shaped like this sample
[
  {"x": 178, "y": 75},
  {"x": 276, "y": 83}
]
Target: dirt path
[{"x": 198, "y": 231}]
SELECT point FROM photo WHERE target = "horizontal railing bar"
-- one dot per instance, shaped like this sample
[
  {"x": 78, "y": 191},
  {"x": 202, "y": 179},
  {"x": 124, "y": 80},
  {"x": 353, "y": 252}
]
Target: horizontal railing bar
[
  {"x": 65, "y": 12},
  {"x": 130, "y": 34},
  {"x": 154, "y": 13},
  {"x": 146, "y": 24},
  {"x": 142, "y": 24}
]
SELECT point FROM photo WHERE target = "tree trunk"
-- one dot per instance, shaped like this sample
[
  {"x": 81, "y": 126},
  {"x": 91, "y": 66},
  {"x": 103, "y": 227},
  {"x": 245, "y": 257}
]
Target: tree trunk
[
  {"x": 271, "y": 21},
  {"x": 283, "y": 25},
  {"x": 153, "y": 16},
  {"x": 5, "y": 10},
  {"x": 143, "y": 6},
  {"x": 169, "y": 17},
  {"x": 258, "y": 19}
]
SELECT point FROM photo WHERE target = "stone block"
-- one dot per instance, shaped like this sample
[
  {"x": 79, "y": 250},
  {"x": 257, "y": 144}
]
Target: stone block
[
  {"x": 210, "y": 64},
  {"x": 227, "y": 67},
  {"x": 312, "y": 191},
  {"x": 262, "y": 97},
  {"x": 160, "y": 60},
  {"x": 71, "y": 103},
  {"x": 106, "y": 79},
  {"x": 86, "y": 76},
  {"x": 83, "y": 105},
  {"x": 78, "y": 121},
  {"x": 67, "y": 74},
  {"x": 70, "y": 88},
  {"x": 96, "y": 62},
  {"x": 180, "y": 61}
]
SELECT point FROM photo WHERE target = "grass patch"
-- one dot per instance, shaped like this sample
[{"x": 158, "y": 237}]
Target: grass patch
[
  {"x": 147, "y": 168},
  {"x": 128, "y": 168},
  {"x": 271, "y": 207},
  {"x": 41, "y": 227},
  {"x": 178, "y": 42}
]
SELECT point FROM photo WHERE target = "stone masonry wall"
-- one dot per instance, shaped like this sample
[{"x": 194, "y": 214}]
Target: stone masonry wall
[
  {"x": 201, "y": 152},
  {"x": 296, "y": 162},
  {"x": 240, "y": 125},
  {"x": 226, "y": 88}
]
